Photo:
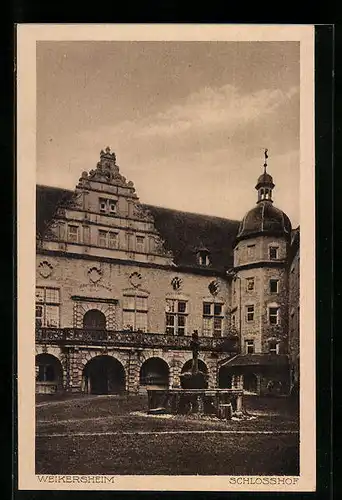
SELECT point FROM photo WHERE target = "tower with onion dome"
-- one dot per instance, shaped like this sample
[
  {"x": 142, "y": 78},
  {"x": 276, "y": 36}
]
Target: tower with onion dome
[{"x": 260, "y": 293}]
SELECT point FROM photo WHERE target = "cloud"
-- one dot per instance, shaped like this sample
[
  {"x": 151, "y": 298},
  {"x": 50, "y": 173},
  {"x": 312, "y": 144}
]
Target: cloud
[
  {"x": 205, "y": 149},
  {"x": 213, "y": 108}
]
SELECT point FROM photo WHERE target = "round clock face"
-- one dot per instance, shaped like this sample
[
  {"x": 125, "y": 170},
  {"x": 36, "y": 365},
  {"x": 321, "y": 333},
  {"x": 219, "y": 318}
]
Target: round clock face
[{"x": 135, "y": 279}]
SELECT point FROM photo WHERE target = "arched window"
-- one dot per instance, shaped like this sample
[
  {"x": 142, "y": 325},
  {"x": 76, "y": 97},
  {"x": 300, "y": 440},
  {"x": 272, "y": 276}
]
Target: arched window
[{"x": 94, "y": 320}]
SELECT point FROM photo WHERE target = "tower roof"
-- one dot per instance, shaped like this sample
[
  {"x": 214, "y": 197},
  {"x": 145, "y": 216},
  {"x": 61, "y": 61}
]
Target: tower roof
[
  {"x": 266, "y": 180},
  {"x": 264, "y": 219}
]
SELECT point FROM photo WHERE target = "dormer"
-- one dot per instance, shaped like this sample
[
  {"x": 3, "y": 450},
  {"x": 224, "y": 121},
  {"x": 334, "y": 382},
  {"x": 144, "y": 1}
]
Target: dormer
[{"x": 203, "y": 256}]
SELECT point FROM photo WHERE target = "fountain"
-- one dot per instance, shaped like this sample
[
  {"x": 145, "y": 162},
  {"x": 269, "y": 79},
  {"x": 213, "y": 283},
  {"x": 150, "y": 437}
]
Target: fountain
[{"x": 194, "y": 397}]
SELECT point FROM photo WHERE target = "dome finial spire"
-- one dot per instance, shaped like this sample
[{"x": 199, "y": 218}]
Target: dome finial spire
[
  {"x": 265, "y": 183},
  {"x": 266, "y": 157}
]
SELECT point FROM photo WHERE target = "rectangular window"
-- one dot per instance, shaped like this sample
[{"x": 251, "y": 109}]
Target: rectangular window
[
  {"x": 130, "y": 243},
  {"x": 108, "y": 239},
  {"x": 251, "y": 251},
  {"x": 212, "y": 320},
  {"x": 176, "y": 316},
  {"x": 128, "y": 320},
  {"x": 273, "y": 347},
  {"x": 273, "y": 286},
  {"x": 203, "y": 258},
  {"x": 273, "y": 315},
  {"x": 103, "y": 205},
  {"x": 273, "y": 252},
  {"x": 112, "y": 206},
  {"x": 52, "y": 316},
  {"x": 102, "y": 238},
  {"x": 207, "y": 327},
  {"x": 135, "y": 313},
  {"x": 112, "y": 240},
  {"x": 39, "y": 315},
  {"x": 217, "y": 327},
  {"x": 249, "y": 346},
  {"x": 141, "y": 303},
  {"x": 73, "y": 234},
  {"x": 107, "y": 206},
  {"x": 249, "y": 314},
  {"x": 206, "y": 309},
  {"x": 47, "y": 307},
  {"x": 140, "y": 244},
  {"x": 250, "y": 284}
]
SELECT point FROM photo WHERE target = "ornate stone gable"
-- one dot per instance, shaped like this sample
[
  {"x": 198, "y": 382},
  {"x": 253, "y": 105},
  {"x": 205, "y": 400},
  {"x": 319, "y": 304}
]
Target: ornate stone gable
[{"x": 106, "y": 171}]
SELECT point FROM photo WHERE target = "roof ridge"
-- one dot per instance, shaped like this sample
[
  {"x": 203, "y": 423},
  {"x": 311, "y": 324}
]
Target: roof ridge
[{"x": 190, "y": 213}]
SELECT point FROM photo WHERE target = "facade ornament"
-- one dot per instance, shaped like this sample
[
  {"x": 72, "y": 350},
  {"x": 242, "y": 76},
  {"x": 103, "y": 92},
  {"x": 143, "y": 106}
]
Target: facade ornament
[
  {"x": 107, "y": 171},
  {"x": 176, "y": 283},
  {"x": 94, "y": 274},
  {"x": 140, "y": 212},
  {"x": 45, "y": 269},
  {"x": 159, "y": 245},
  {"x": 214, "y": 287},
  {"x": 135, "y": 279}
]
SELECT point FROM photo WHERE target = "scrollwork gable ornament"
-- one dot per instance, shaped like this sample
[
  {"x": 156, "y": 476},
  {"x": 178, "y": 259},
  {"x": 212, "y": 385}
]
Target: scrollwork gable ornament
[
  {"x": 107, "y": 171},
  {"x": 160, "y": 247},
  {"x": 141, "y": 213}
]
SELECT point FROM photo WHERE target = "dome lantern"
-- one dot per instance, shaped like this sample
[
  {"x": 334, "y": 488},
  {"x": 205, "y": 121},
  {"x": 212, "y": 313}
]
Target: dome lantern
[
  {"x": 264, "y": 218},
  {"x": 265, "y": 184}
]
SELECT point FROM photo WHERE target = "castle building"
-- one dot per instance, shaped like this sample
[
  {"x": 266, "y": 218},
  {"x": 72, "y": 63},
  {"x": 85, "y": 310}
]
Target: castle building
[{"x": 121, "y": 286}]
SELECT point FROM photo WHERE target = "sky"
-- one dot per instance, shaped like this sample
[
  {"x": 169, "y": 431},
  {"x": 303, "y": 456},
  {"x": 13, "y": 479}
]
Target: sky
[{"x": 188, "y": 121}]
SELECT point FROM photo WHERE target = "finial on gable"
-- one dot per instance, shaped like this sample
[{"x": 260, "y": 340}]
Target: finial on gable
[
  {"x": 106, "y": 171},
  {"x": 108, "y": 155}
]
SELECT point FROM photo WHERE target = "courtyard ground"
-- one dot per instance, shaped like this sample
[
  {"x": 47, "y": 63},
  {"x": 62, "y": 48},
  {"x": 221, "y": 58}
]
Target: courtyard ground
[{"x": 113, "y": 435}]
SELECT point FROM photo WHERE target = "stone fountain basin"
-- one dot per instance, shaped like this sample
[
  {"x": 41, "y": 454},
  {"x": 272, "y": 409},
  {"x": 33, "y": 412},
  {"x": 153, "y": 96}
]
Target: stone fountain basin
[{"x": 201, "y": 401}]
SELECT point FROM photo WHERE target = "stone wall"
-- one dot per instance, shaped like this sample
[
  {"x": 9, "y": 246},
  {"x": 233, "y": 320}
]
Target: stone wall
[
  {"x": 73, "y": 277},
  {"x": 75, "y": 359}
]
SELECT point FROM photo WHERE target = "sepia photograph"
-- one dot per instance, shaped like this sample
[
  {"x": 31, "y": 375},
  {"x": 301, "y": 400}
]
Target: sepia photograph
[{"x": 166, "y": 181}]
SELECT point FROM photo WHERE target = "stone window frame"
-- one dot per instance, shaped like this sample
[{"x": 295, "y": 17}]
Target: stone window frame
[
  {"x": 45, "y": 303},
  {"x": 77, "y": 233},
  {"x": 136, "y": 294},
  {"x": 250, "y": 280},
  {"x": 249, "y": 321},
  {"x": 176, "y": 328},
  {"x": 271, "y": 247},
  {"x": 142, "y": 248},
  {"x": 276, "y": 348},
  {"x": 251, "y": 250},
  {"x": 272, "y": 281},
  {"x": 212, "y": 316},
  {"x": 105, "y": 205},
  {"x": 273, "y": 306},
  {"x": 106, "y": 236},
  {"x": 249, "y": 343}
]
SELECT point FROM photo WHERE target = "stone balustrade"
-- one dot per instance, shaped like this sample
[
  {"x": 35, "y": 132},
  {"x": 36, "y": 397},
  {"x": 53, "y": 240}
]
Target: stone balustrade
[{"x": 77, "y": 336}]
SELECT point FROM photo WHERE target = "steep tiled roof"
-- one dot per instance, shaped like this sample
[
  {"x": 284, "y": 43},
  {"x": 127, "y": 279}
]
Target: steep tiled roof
[
  {"x": 263, "y": 359},
  {"x": 47, "y": 199},
  {"x": 184, "y": 233},
  {"x": 264, "y": 218}
]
